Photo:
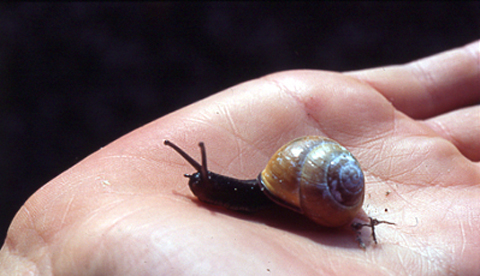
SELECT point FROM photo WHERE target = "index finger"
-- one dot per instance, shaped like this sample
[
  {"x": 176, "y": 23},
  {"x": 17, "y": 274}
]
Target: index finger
[{"x": 430, "y": 86}]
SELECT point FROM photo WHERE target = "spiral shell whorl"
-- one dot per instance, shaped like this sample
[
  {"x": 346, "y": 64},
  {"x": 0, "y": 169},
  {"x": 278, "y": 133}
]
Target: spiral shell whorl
[
  {"x": 345, "y": 178},
  {"x": 318, "y": 177}
]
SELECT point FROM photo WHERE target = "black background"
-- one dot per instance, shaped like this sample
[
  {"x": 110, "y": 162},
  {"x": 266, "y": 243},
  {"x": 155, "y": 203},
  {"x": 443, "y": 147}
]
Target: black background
[{"x": 76, "y": 76}]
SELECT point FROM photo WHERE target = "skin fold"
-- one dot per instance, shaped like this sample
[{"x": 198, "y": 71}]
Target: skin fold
[{"x": 127, "y": 209}]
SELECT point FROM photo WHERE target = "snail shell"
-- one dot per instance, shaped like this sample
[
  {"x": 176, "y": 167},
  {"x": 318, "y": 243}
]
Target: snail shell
[{"x": 317, "y": 177}]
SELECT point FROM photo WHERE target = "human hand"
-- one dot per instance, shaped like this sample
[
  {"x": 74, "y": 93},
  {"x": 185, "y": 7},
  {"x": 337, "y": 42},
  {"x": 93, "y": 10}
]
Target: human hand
[{"x": 127, "y": 209}]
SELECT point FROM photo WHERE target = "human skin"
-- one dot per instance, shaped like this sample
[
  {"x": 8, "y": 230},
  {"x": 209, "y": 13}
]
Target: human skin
[{"x": 127, "y": 209}]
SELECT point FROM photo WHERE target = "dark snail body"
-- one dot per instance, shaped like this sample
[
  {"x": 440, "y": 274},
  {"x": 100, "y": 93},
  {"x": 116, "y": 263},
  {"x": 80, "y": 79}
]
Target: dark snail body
[
  {"x": 216, "y": 189},
  {"x": 231, "y": 193}
]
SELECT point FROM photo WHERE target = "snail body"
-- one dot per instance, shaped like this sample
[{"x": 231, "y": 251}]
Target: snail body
[{"x": 312, "y": 175}]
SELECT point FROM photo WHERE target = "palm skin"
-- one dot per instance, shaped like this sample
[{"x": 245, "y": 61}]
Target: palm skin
[{"x": 127, "y": 210}]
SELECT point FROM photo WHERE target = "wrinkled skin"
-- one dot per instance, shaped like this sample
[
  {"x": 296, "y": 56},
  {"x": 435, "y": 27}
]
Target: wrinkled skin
[{"x": 127, "y": 210}]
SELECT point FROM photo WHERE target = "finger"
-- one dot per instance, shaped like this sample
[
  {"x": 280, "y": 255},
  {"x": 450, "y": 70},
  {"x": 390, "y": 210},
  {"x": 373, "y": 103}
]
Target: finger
[
  {"x": 462, "y": 128},
  {"x": 430, "y": 86}
]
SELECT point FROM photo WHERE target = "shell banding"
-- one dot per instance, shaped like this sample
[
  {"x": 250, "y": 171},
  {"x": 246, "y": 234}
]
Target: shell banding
[{"x": 317, "y": 177}]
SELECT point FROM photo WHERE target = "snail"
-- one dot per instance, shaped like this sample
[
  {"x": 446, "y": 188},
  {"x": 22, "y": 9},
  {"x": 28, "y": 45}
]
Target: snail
[{"x": 312, "y": 175}]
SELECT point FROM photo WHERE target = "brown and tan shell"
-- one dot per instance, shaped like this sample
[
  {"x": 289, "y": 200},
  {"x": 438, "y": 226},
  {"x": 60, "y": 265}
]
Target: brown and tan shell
[{"x": 317, "y": 177}]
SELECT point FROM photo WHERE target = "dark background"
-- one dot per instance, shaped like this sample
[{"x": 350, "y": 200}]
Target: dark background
[{"x": 76, "y": 76}]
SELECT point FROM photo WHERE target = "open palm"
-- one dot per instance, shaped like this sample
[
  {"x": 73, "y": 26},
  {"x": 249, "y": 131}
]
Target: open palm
[{"x": 127, "y": 209}]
